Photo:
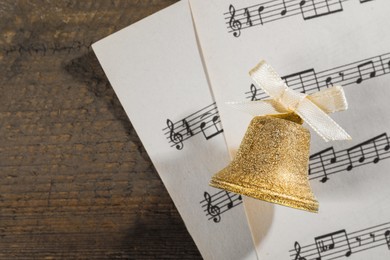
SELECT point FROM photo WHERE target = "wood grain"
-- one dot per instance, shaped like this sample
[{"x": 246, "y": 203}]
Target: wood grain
[{"x": 76, "y": 182}]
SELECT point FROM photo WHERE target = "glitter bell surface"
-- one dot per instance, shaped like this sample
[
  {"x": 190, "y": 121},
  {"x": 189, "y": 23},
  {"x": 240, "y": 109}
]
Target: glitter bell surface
[{"x": 271, "y": 163}]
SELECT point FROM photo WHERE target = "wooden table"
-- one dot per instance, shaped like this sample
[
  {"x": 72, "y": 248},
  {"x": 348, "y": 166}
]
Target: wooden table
[{"x": 76, "y": 181}]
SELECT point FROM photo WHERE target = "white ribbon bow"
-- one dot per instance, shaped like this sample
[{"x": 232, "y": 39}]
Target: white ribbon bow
[{"x": 312, "y": 108}]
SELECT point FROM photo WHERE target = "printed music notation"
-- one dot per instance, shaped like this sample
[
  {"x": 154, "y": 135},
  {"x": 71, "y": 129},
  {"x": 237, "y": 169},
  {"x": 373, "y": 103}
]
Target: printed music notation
[
  {"x": 321, "y": 165},
  {"x": 328, "y": 162},
  {"x": 309, "y": 81},
  {"x": 239, "y": 19},
  {"x": 205, "y": 121},
  {"x": 340, "y": 244},
  {"x": 218, "y": 203}
]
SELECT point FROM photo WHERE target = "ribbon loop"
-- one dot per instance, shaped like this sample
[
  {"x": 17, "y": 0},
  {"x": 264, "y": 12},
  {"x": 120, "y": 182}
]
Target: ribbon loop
[{"x": 312, "y": 109}]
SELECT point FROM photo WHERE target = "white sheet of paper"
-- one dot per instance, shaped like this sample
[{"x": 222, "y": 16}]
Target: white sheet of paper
[
  {"x": 156, "y": 71},
  {"x": 315, "y": 44}
]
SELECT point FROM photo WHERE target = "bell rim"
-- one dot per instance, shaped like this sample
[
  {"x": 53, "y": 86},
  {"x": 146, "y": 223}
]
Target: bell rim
[{"x": 268, "y": 195}]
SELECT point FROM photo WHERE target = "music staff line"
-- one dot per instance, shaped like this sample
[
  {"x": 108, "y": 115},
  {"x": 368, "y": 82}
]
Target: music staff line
[
  {"x": 309, "y": 81},
  {"x": 328, "y": 162},
  {"x": 331, "y": 173},
  {"x": 277, "y": 3},
  {"x": 342, "y": 244},
  {"x": 321, "y": 165},
  {"x": 312, "y": 85},
  {"x": 260, "y": 14},
  {"x": 345, "y": 249},
  {"x": 222, "y": 200},
  {"x": 193, "y": 116},
  {"x": 204, "y": 121}
]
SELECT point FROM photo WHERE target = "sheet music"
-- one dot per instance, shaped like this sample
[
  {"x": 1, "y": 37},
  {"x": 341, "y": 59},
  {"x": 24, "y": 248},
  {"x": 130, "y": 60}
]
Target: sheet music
[
  {"x": 312, "y": 44},
  {"x": 156, "y": 71}
]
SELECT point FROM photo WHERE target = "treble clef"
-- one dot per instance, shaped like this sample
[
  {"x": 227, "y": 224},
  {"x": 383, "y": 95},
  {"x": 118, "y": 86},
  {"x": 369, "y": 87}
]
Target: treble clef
[
  {"x": 213, "y": 210},
  {"x": 234, "y": 24},
  {"x": 176, "y": 138},
  {"x": 297, "y": 247},
  {"x": 254, "y": 92}
]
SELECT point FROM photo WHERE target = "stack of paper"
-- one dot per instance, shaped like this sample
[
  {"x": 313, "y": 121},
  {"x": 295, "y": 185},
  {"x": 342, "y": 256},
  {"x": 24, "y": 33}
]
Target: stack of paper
[{"x": 168, "y": 68}]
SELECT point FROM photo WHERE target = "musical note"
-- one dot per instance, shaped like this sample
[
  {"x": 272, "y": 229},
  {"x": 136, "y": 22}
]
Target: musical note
[
  {"x": 328, "y": 82},
  {"x": 230, "y": 203},
  {"x": 328, "y": 157},
  {"x": 297, "y": 247},
  {"x": 360, "y": 147},
  {"x": 327, "y": 242},
  {"x": 308, "y": 9},
  {"x": 341, "y": 74},
  {"x": 203, "y": 127},
  {"x": 362, "y": 66},
  {"x": 259, "y": 10},
  {"x": 317, "y": 8},
  {"x": 248, "y": 17},
  {"x": 377, "y": 158},
  {"x": 176, "y": 138},
  {"x": 223, "y": 201},
  {"x": 310, "y": 85},
  {"x": 284, "y": 11},
  {"x": 254, "y": 92},
  {"x": 187, "y": 127},
  {"x": 361, "y": 158},
  {"x": 323, "y": 247},
  {"x": 213, "y": 210},
  {"x": 320, "y": 156},
  {"x": 302, "y": 78},
  {"x": 372, "y": 235},
  {"x": 372, "y": 150},
  {"x": 234, "y": 24},
  {"x": 387, "y": 237},
  {"x": 346, "y": 74},
  {"x": 336, "y": 244},
  {"x": 302, "y": 3},
  {"x": 325, "y": 163}
]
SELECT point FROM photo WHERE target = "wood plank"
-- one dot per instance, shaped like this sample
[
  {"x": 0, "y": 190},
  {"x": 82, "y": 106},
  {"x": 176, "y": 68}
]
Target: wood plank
[{"x": 76, "y": 181}]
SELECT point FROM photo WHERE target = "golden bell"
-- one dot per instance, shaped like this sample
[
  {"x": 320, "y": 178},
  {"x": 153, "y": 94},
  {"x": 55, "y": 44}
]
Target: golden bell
[{"x": 272, "y": 163}]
